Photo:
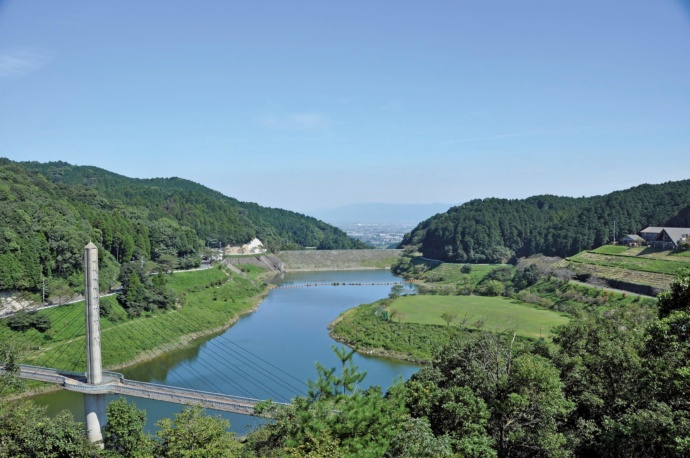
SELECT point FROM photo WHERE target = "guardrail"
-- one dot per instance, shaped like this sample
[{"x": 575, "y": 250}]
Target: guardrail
[{"x": 116, "y": 383}]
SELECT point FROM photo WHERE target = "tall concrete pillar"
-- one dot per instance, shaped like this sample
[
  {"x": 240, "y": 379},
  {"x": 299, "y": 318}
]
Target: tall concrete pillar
[{"x": 94, "y": 404}]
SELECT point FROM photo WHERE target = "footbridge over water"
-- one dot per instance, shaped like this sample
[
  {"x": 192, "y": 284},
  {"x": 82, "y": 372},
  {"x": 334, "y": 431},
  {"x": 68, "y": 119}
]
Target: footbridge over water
[
  {"x": 95, "y": 383},
  {"x": 116, "y": 383}
]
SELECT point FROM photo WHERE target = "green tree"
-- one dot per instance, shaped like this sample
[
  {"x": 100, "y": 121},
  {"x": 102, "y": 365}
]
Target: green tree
[
  {"x": 492, "y": 288},
  {"x": 124, "y": 432},
  {"x": 677, "y": 298},
  {"x": 396, "y": 291},
  {"x": 328, "y": 384},
  {"x": 598, "y": 354},
  {"x": 417, "y": 440},
  {"x": 449, "y": 316},
  {"x": 522, "y": 392},
  {"x": 453, "y": 412},
  {"x": 26, "y": 431},
  {"x": 134, "y": 295},
  {"x": 194, "y": 434},
  {"x": 361, "y": 423},
  {"x": 40, "y": 322},
  {"x": 20, "y": 321},
  {"x": 660, "y": 426},
  {"x": 9, "y": 376}
]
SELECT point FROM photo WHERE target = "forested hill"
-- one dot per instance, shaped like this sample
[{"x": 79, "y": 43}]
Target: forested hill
[
  {"x": 50, "y": 211},
  {"x": 496, "y": 230}
]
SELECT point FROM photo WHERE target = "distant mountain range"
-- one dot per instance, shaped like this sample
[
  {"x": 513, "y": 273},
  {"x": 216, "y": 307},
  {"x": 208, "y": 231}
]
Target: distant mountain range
[{"x": 380, "y": 213}]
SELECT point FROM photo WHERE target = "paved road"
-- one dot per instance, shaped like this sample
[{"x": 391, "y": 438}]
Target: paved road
[{"x": 43, "y": 307}]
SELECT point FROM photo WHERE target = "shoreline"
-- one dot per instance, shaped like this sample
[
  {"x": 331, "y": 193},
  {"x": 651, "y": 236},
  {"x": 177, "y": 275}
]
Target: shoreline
[
  {"x": 186, "y": 340},
  {"x": 379, "y": 352},
  {"x": 371, "y": 351}
]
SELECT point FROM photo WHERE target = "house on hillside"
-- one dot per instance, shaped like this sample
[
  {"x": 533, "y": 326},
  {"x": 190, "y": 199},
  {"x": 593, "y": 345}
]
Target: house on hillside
[
  {"x": 650, "y": 233},
  {"x": 670, "y": 238},
  {"x": 632, "y": 240}
]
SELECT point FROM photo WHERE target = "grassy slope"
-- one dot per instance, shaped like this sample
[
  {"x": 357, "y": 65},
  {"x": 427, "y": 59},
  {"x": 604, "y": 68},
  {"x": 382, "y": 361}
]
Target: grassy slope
[
  {"x": 641, "y": 265},
  {"x": 207, "y": 308},
  {"x": 451, "y": 274},
  {"x": 668, "y": 266},
  {"x": 362, "y": 329},
  {"x": 499, "y": 313},
  {"x": 423, "y": 331}
]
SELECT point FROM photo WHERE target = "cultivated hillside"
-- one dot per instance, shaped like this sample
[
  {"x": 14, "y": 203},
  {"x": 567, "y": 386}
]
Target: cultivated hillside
[
  {"x": 496, "y": 230},
  {"x": 642, "y": 270}
]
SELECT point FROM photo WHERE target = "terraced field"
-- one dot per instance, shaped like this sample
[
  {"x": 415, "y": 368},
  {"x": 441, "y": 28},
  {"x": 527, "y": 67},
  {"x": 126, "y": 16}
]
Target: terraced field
[
  {"x": 644, "y": 253},
  {"x": 639, "y": 265},
  {"x": 655, "y": 280},
  {"x": 659, "y": 266}
]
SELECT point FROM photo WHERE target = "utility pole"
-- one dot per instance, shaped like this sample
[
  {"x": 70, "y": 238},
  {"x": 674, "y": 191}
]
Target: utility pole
[{"x": 614, "y": 231}]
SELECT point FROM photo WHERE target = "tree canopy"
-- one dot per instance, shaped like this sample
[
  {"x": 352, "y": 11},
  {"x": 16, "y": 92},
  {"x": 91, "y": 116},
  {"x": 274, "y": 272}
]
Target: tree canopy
[
  {"x": 497, "y": 230},
  {"x": 50, "y": 211}
]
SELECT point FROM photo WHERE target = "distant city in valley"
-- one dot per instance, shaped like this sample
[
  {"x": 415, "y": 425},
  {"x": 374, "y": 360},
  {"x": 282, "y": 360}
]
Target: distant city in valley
[
  {"x": 380, "y": 225},
  {"x": 377, "y": 235}
]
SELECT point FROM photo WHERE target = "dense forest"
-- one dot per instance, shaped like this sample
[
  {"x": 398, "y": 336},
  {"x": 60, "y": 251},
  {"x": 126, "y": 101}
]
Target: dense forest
[
  {"x": 497, "y": 230},
  {"x": 50, "y": 211}
]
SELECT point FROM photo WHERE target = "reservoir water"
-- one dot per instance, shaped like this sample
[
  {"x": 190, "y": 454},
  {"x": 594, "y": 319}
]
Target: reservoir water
[{"x": 270, "y": 353}]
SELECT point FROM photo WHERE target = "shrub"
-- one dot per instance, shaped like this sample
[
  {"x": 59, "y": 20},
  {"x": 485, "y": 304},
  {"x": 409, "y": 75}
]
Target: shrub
[
  {"x": 501, "y": 274},
  {"x": 464, "y": 290},
  {"x": 492, "y": 288},
  {"x": 23, "y": 321}
]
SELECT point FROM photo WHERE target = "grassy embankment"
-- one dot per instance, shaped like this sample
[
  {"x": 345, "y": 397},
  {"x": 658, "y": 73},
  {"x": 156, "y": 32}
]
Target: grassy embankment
[
  {"x": 417, "y": 329},
  {"x": 363, "y": 329},
  {"x": 637, "y": 265},
  {"x": 214, "y": 300}
]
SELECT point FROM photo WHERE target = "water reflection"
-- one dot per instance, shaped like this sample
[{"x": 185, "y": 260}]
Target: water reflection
[{"x": 267, "y": 354}]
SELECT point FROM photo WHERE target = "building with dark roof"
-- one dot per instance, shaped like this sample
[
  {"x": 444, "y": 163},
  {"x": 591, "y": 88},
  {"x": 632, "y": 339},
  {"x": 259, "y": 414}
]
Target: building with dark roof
[{"x": 667, "y": 238}]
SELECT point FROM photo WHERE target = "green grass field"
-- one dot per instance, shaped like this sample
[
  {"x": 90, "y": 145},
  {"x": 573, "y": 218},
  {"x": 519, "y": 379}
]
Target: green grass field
[
  {"x": 611, "y": 249},
  {"x": 448, "y": 273},
  {"x": 499, "y": 313}
]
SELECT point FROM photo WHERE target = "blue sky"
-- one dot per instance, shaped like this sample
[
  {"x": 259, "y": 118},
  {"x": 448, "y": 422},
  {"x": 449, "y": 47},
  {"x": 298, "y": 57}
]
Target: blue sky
[{"x": 311, "y": 104}]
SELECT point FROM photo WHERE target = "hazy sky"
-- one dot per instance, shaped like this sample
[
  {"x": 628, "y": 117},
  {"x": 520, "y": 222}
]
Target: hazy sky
[{"x": 311, "y": 104}]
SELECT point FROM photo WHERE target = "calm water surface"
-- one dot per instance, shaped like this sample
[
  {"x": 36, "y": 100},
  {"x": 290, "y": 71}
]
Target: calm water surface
[{"x": 267, "y": 354}]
